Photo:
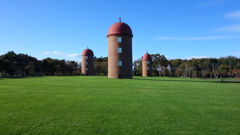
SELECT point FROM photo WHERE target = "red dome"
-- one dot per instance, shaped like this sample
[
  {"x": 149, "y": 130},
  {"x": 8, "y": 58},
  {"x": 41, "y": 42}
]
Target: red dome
[
  {"x": 147, "y": 57},
  {"x": 120, "y": 28},
  {"x": 87, "y": 52}
]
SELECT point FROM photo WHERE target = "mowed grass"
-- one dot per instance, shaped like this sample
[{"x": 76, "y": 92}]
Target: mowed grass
[{"x": 97, "y": 105}]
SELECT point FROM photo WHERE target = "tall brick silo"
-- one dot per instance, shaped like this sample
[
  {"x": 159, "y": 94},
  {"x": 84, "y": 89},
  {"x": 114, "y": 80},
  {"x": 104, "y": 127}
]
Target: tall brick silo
[
  {"x": 87, "y": 62},
  {"x": 120, "y": 51},
  {"x": 146, "y": 65}
]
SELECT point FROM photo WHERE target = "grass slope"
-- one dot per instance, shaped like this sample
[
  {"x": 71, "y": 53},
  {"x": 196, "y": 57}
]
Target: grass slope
[{"x": 97, "y": 105}]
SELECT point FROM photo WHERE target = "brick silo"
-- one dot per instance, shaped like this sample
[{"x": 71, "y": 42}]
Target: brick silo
[
  {"x": 146, "y": 65},
  {"x": 87, "y": 62},
  {"x": 119, "y": 51}
]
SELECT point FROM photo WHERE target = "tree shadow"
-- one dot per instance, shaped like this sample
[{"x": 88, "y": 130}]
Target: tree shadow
[
  {"x": 19, "y": 77},
  {"x": 187, "y": 80},
  {"x": 13, "y": 77},
  {"x": 230, "y": 82}
]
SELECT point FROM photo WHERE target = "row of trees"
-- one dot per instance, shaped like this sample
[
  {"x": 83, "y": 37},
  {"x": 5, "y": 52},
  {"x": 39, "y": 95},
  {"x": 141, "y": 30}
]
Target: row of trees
[
  {"x": 12, "y": 64},
  {"x": 195, "y": 68}
]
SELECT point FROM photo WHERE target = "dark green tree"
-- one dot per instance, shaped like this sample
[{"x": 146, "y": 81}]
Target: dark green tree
[{"x": 159, "y": 63}]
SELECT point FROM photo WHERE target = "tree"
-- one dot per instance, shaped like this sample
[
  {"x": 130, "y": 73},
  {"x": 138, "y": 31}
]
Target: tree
[
  {"x": 174, "y": 66},
  {"x": 183, "y": 68},
  {"x": 236, "y": 73},
  {"x": 9, "y": 63},
  {"x": 169, "y": 69},
  {"x": 100, "y": 65},
  {"x": 137, "y": 67},
  {"x": 222, "y": 69},
  {"x": 159, "y": 62},
  {"x": 4, "y": 66},
  {"x": 72, "y": 68},
  {"x": 214, "y": 63},
  {"x": 231, "y": 60},
  {"x": 204, "y": 66}
]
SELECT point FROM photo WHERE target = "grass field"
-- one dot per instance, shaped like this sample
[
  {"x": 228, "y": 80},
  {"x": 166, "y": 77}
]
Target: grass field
[{"x": 97, "y": 105}]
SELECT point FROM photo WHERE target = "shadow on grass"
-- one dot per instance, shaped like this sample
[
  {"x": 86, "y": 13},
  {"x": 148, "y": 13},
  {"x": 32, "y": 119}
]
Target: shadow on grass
[
  {"x": 142, "y": 78},
  {"x": 230, "y": 82},
  {"x": 187, "y": 80},
  {"x": 19, "y": 77},
  {"x": 13, "y": 77}
]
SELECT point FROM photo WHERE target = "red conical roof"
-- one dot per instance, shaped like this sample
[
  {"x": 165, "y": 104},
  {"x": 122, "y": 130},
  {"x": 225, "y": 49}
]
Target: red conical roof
[
  {"x": 147, "y": 57},
  {"x": 120, "y": 28},
  {"x": 87, "y": 52}
]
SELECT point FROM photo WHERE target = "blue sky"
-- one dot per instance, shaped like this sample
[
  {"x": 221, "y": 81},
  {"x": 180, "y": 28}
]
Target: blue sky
[{"x": 62, "y": 29}]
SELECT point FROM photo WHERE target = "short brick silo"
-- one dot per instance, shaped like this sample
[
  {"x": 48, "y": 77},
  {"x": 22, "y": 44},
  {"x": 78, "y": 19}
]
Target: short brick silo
[
  {"x": 87, "y": 62},
  {"x": 146, "y": 65},
  {"x": 120, "y": 51}
]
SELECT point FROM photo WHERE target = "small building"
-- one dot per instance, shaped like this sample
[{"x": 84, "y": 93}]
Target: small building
[
  {"x": 87, "y": 62},
  {"x": 146, "y": 65},
  {"x": 119, "y": 50}
]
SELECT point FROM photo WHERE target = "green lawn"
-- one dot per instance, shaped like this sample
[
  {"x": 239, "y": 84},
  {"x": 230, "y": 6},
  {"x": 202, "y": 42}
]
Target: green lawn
[{"x": 97, "y": 105}]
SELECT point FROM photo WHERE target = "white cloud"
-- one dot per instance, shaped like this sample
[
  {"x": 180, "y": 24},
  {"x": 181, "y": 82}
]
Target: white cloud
[
  {"x": 212, "y": 3},
  {"x": 74, "y": 55},
  {"x": 196, "y": 38},
  {"x": 47, "y": 53},
  {"x": 233, "y": 15},
  {"x": 171, "y": 58},
  {"x": 196, "y": 57},
  {"x": 236, "y": 53},
  {"x": 55, "y": 53},
  {"x": 188, "y": 58},
  {"x": 230, "y": 28}
]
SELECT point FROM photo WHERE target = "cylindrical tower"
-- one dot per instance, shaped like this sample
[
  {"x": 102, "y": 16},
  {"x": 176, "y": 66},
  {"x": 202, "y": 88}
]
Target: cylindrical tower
[
  {"x": 87, "y": 62},
  {"x": 146, "y": 65},
  {"x": 119, "y": 51}
]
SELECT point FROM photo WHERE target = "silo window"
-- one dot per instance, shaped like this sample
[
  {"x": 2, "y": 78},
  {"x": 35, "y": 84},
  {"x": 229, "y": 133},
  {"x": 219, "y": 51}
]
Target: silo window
[
  {"x": 86, "y": 69},
  {"x": 119, "y": 39},
  {"x": 119, "y": 63},
  {"x": 86, "y": 57},
  {"x": 148, "y": 68},
  {"x": 148, "y": 62},
  {"x": 86, "y": 63},
  {"x": 119, "y": 50}
]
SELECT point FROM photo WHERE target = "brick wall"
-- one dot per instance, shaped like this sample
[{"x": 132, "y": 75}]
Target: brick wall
[
  {"x": 89, "y": 65},
  {"x": 114, "y": 70},
  {"x": 145, "y": 66}
]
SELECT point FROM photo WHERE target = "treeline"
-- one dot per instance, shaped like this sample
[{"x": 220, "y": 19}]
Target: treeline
[
  {"x": 12, "y": 64},
  {"x": 195, "y": 68}
]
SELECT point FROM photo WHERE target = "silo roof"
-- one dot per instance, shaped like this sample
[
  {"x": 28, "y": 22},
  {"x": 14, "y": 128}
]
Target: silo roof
[
  {"x": 87, "y": 52},
  {"x": 147, "y": 57},
  {"x": 120, "y": 28}
]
